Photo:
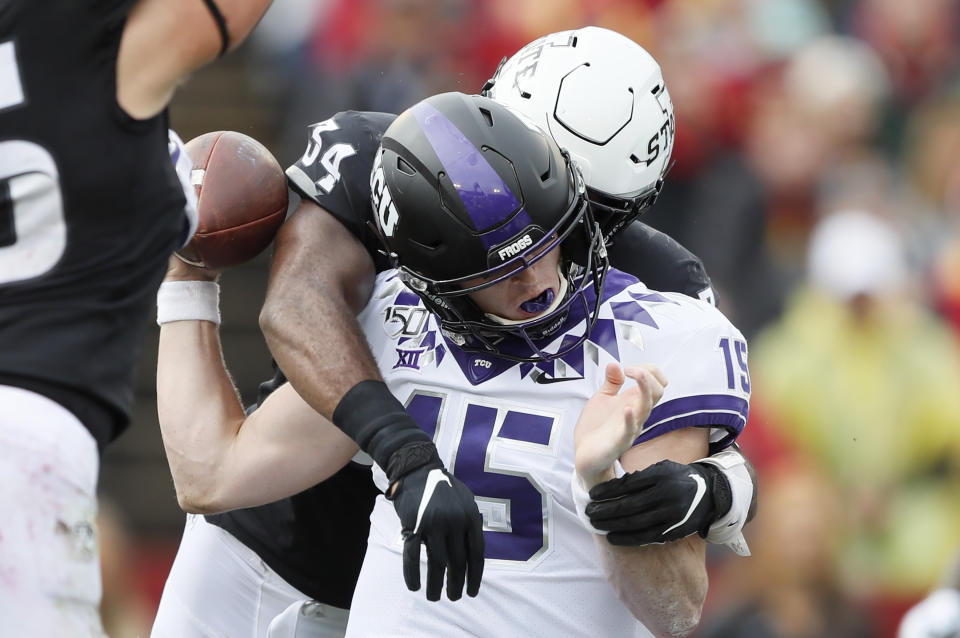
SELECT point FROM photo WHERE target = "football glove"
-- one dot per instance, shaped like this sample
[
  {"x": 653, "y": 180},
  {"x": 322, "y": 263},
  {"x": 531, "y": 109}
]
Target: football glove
[
  {"x": 437, "y": 509},
  {"x": 434, "y": 507},
  {"x": 661, "y": 503}
]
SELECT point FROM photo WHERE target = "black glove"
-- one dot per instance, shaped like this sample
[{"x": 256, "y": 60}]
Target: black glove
[
  {"x": 434, "y": 506},
  {"x": 661, "y": 503}
]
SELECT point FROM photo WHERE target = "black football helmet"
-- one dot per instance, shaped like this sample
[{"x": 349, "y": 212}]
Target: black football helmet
[{"x": 466, "y": 188}]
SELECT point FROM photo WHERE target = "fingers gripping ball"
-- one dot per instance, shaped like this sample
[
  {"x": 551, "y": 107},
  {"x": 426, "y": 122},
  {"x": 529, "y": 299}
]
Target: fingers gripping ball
[{"x": 241, "y": 195}]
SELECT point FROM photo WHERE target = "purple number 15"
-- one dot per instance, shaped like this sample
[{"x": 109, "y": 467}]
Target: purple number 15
[
  {"x": 736, "y": 349},
  {"x": 514, "y": 505}
]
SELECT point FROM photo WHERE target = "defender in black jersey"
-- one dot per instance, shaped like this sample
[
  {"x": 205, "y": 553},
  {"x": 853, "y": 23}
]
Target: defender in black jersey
[
  {"x": 315, "y": 540},
  {"x": 304, "y": 562},
  {"x": 90, "y": 210}
]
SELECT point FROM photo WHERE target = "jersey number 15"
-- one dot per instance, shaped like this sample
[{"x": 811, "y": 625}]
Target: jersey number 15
[{"x": 515, "y": 507}]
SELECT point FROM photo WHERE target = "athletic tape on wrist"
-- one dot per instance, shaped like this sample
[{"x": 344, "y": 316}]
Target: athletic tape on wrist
[
  {"x": 188, "y": 301},
  {"x": 728, "y": 529},
  {"x": 581, "y": 497}
]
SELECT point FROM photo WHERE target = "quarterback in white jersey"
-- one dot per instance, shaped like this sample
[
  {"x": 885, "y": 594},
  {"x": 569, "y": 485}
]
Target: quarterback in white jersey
[
  {"x": 506, "y": 429},
  {"x": 500, "y": 332}
]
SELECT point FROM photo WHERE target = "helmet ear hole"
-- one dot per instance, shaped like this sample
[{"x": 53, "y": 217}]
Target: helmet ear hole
[
  {"x": 488, "y": 116},
  {"x": 405, "y": 167}
]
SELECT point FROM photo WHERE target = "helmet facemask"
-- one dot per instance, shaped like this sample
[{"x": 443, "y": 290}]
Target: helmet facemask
[{"x": 613, "y": 213}]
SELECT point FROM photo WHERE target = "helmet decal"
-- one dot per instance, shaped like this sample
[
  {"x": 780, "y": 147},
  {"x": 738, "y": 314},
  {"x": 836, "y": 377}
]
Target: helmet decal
[{"x": 487, "y": 199}]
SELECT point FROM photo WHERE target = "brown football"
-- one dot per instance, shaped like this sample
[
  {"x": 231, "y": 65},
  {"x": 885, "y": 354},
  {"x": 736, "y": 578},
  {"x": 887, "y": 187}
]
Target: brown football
[{"x": 241, "y": 198}]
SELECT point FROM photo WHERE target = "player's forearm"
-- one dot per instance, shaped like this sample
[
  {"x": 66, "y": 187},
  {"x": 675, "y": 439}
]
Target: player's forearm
[
  {"x": 199, "y": 410},
  {"x": 221, "y": 459},
  {"x": 320, "y": 279},
  {"x": 317, "y": 342},
  {"x": 166, "y": 40},
  {"x": 664, "y": 586}
]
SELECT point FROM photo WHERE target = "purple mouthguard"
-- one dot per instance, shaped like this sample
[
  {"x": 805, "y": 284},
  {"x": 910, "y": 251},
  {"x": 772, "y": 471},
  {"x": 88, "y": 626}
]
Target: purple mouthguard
[{"x": 540, "y": 303}]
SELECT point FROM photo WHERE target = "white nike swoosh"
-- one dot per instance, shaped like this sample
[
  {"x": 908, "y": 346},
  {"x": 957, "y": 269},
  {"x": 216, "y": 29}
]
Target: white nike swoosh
[
  {"x": 701, "y": 490},
  {"x": 434, "y": 478}
]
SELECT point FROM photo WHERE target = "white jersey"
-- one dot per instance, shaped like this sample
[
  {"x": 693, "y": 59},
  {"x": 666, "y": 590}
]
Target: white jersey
[{"x": 506, "y": 430}]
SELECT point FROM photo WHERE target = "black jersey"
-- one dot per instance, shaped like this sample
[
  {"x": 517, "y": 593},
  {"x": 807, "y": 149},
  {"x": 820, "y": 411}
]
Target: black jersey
[
  {"x": 316, "y": 539},
  {"x": 90, "y": 209}
]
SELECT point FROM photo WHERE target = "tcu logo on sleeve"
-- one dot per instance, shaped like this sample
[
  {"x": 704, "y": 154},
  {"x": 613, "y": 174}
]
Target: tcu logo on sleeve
[{"x": 387, "y": 216}]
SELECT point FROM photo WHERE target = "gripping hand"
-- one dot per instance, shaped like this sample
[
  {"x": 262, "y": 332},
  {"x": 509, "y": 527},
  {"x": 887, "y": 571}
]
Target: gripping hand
[{"x": 661, "y": 503}]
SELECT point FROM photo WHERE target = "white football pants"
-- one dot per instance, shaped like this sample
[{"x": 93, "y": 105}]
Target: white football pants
[
  {"x": 219, "y": 587},
  {"x": 49, "y": 563}
]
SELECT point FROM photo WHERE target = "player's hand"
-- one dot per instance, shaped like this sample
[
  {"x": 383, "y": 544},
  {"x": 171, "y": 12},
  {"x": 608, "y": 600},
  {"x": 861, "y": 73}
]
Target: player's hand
[
  {"x": 437, "y": 509},
  {"x": 179, "y": 270},
  {"x": 661, "y": 503},
  {"x": 611, "y": 420}
]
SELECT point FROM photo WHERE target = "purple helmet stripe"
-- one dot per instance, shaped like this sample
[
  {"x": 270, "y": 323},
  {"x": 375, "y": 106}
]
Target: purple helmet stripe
[{"x": 484, "y": 194}]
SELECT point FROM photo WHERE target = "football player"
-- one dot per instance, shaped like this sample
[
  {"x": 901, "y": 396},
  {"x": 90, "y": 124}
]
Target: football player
[
  {"x": 324, "y": 257},
  {"x": 91, "y": 210},
  {"x": 498, "y": 326}
]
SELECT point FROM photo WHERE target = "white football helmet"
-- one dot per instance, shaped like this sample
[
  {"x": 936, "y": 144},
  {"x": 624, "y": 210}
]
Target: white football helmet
[{"x": 602, "y": 97}]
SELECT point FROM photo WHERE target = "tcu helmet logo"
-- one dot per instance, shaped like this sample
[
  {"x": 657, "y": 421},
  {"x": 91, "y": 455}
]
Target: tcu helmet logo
[
  {"x": 387, "y": 216},
  {"x": 515, "y": 247}
]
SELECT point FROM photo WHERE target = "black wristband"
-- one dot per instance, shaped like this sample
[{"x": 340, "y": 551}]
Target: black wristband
[
  {"x": 221, "y": 25},
  {"x": 719, "y": 489},
  {"x": 370, "y": 415}
]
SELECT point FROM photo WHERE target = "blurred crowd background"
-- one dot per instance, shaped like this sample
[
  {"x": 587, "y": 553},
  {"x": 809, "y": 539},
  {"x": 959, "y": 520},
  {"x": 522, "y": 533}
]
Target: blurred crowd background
[{"x": 817, "y": 174}]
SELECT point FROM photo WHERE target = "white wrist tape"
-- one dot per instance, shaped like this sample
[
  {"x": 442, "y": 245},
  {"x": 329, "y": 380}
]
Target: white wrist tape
[
  {"x": 728, "y": 529},
  {"x": 581, "y": 497},
  {"x": 188, "y": 301}
]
